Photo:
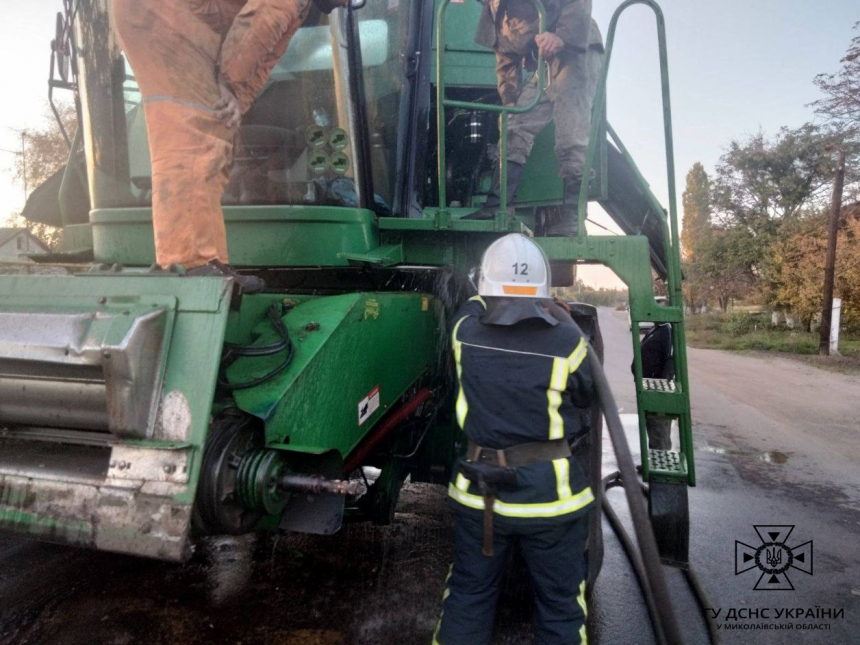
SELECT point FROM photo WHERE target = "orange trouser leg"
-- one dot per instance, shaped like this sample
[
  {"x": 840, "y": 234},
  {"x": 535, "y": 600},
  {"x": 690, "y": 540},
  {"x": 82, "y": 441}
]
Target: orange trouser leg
[
  {"x": 257, "y": 39},
  {"x": 173, "y": 52}
]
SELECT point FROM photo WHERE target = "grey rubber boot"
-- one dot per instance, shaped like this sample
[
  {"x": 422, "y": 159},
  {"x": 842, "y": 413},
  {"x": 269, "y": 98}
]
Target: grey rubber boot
[
  {"x": 494, "y": 201},
  {"x": 566, "y": 224}
]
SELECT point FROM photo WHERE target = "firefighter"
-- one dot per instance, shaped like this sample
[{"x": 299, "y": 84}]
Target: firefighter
[
  {"x": 521, "y": 376},
  {"x": 199, "y": 65},
  {"x": 573, "y": 50}
]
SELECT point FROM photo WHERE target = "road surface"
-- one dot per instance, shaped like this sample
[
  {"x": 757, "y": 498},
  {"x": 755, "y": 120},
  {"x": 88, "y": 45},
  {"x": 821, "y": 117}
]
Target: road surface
[{"x": 776, "y": 442}]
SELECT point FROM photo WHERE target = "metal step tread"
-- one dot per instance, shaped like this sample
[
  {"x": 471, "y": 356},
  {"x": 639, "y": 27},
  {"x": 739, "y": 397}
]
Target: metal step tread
[
  {"x": 659, "y": 385},
  {"x": 667, "y": 463}
]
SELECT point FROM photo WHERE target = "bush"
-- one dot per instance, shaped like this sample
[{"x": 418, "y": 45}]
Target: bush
[
  {"x": 704, "y": 322},
  {"x": 738, "y": 323}
]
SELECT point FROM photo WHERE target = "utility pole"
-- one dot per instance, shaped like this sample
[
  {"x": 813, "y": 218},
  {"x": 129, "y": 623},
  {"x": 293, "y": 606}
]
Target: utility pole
[{"x": 830, "y": 266}]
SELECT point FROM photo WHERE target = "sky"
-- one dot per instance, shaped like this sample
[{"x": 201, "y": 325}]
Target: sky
[{"x": 735, "y": 66}]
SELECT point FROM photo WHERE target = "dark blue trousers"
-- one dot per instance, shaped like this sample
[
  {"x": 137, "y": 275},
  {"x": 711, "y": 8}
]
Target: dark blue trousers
[{"x": 555, "y": 556}]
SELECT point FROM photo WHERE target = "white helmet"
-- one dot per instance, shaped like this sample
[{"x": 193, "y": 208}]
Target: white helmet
[{"x": 514, "y": 266}]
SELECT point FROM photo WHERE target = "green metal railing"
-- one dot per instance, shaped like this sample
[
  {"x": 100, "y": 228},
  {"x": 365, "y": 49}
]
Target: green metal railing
[
  {"x": 670, "y": 228},
  {"x": 673, "y": 258},
  {"x": 442, "y": 102}
]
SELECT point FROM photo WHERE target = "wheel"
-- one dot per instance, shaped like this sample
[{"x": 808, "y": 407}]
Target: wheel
[{"x": 217, "y": 509}]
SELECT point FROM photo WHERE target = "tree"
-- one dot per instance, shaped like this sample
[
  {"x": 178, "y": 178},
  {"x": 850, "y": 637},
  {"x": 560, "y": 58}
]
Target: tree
[
  {"x": 763, "y": 183},
  {"x": 798, "y": 257},
  {"x": 696, "y": 224},
  {"x": 45, "y": 152},
  {"x": 697, "y": 209},
  {"x": 841, "y": 104},
  {"x": 723, "y": 264}
]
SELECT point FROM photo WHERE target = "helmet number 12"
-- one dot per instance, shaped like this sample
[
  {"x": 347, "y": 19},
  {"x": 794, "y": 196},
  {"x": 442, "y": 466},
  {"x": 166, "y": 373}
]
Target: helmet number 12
[{"x": 521, "y": 269}]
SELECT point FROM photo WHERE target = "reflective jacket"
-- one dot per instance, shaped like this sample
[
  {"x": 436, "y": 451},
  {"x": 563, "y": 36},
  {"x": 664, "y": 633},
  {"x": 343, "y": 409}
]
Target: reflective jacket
[{"x": 518, "y": 384}]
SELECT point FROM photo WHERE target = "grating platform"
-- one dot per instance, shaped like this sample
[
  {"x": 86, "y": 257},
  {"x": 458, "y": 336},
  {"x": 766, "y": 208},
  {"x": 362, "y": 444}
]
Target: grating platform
[
  {"x": 658, "y": 385},
  {"x": 667, "y": 462}
]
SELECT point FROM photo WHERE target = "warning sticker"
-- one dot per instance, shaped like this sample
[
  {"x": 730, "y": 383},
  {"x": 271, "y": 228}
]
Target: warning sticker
[{"x": 368, "y": 405}]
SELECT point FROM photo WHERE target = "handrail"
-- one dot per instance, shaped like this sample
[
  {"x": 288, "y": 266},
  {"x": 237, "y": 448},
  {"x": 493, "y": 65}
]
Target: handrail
[
  {"x": 671, "y": 239},
  {"x": 502, "y": 110},
  {"x": 673, "y": 267}
]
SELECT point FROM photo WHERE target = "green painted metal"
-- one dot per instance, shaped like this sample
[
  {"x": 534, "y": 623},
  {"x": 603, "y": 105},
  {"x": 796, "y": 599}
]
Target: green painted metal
[
  {"x": 345, "y": 347},
  {"x": 386, "y": 256},
  {"x": 256, "y": 235},
  {"x": 77, "y": 237},
  {"x": 671, "y": 235},
  {"x": 197, "y": 324}
]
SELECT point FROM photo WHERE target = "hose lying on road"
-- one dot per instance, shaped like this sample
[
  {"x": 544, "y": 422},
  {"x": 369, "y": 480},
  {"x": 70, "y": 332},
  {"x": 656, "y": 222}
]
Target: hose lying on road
[
  {"x": 632, "y": 555},
  {"x": 699, "y": 593}
]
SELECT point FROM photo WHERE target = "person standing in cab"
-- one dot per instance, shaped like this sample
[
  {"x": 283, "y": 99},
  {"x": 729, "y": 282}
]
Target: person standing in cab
[
  {"x": 573, "y": 50},
  {"x": 522, "y": 375}
]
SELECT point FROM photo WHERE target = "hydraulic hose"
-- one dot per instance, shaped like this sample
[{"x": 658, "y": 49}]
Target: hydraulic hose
[
  {"x": 635, "y": 561},
  {"x": 699, "y": 593},
  {"x": 655, "y": 579},
  {"x": 668, "y": 633}
]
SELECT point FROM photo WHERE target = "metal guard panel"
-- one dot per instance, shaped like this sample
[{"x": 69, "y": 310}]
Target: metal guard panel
[
  {"x": 109, "y": 361},
  {"x": 362, "y": 348},
  {"x": 256, "y": 235},
  {"x": 88, "y": 487}
]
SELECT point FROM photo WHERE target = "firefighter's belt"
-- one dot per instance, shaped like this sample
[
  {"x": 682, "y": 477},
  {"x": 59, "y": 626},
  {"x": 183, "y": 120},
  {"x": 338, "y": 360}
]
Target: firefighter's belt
[
  {"x": 493, "y": 470},
  {"x": 521, "y": 455}
]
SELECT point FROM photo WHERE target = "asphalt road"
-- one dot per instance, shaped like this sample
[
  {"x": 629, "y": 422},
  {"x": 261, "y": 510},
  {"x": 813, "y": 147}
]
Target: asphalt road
[{"x": 776, "y": 443}]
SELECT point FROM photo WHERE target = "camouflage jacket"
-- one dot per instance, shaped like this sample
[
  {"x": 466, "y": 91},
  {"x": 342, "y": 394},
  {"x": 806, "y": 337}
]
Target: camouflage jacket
[{"x": 512, "y": 37}]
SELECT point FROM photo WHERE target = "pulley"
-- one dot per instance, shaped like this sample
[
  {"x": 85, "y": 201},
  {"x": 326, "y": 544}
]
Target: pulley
[
  {"x": 257, "y": 481},
  {"x": 218, "y": 508},
  {"x": 265, "y": 482}
]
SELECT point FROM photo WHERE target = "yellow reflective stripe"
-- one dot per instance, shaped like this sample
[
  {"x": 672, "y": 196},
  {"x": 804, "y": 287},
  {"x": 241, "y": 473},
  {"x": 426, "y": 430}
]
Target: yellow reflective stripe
[
  {"x": 557, "y": 385},
  {"x": 583, "y": 638},
  {"x": 543, "y": 509},
  {"x": 462, "y": 404},
  {"x": 578, "y": 355},
  {"x": 462, "y": 482},
  {"x": 442, "y": 613},
  {"x": 562, "y": 476},
  {"x": 478, "y": 299}
]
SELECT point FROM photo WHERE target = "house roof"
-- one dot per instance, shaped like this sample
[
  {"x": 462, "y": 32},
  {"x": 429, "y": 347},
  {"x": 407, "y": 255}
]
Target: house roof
[{"x": 7, "y": 234}]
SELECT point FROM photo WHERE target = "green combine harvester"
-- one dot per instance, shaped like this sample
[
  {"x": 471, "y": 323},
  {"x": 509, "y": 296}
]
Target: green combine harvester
[{"x": 140, "y": 408}]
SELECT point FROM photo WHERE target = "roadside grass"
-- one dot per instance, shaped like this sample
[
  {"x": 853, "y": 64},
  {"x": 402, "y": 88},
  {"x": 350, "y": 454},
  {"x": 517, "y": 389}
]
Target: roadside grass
[{"x": 742, "y": 331}]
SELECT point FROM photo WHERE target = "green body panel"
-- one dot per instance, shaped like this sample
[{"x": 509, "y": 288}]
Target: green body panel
[
  {"x": 197, "y": 322},
  {"x": 345, "y": 347},
  {"x": 256, "y": 235},
  {"x": 76, "y": 237}
]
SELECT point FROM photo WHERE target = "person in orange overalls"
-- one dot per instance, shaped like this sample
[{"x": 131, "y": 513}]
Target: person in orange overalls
[{"x": 199, "y": 65}]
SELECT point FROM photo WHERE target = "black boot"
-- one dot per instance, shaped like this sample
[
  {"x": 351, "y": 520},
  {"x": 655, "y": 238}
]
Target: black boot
[
  {"x": 249, "y": 283},
  {"x": 568, "y": 220},
  {"x": 494, "y": 201}
]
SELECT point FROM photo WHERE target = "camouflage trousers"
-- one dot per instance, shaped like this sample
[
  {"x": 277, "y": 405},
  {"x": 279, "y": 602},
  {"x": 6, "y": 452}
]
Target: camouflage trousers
[{"x": 568, "y": 99}]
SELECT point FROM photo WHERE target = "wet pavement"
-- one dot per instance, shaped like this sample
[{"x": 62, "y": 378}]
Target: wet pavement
[{"x": 383, "y": 585}]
